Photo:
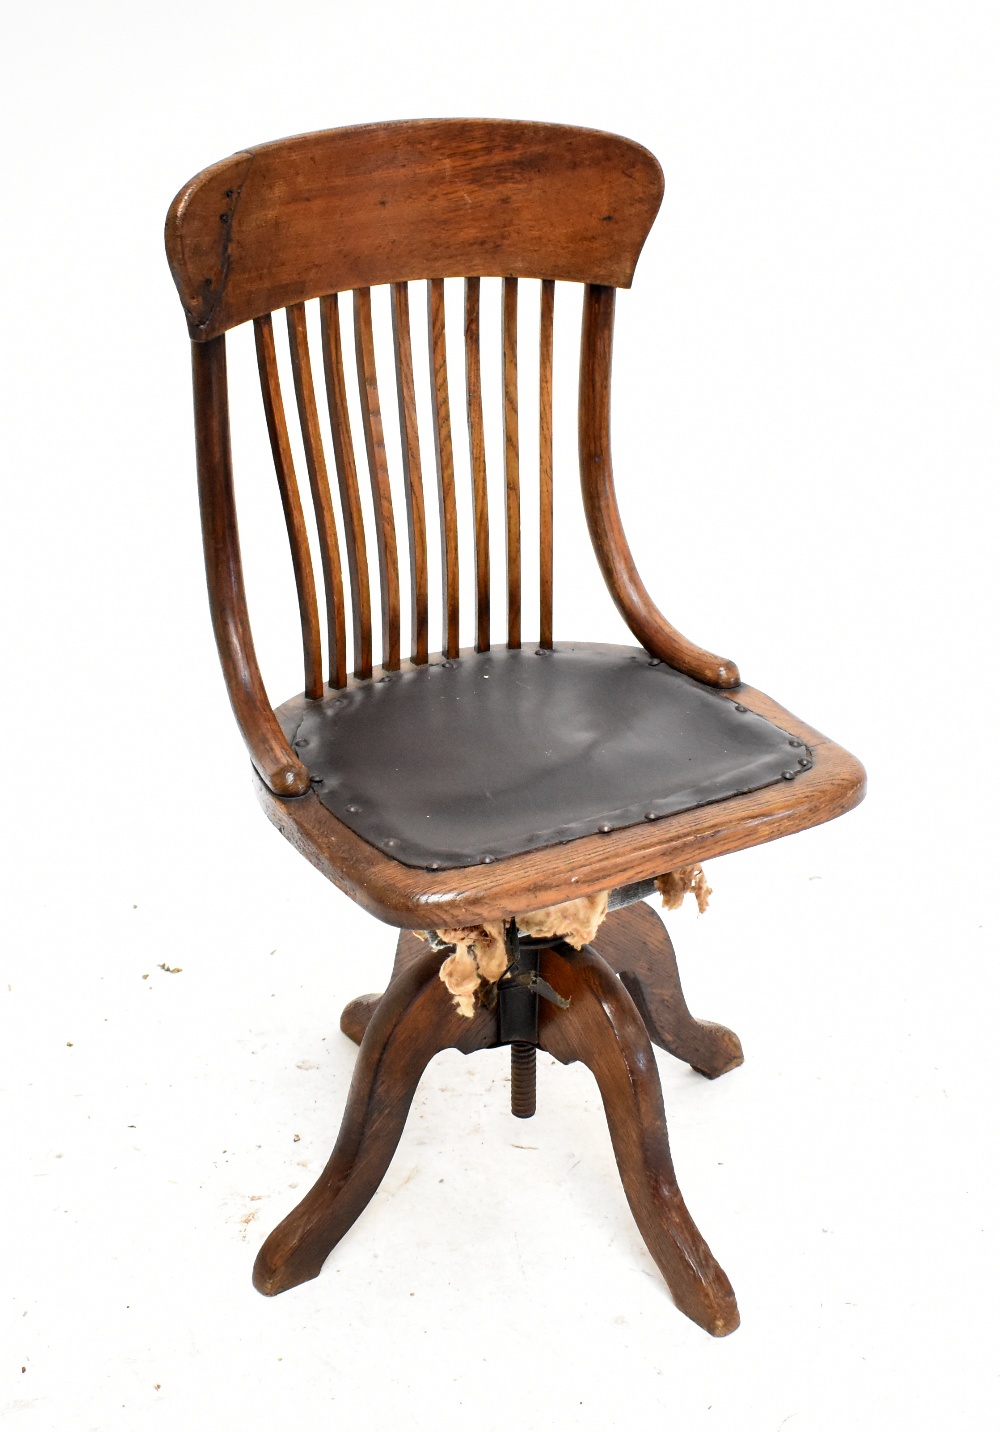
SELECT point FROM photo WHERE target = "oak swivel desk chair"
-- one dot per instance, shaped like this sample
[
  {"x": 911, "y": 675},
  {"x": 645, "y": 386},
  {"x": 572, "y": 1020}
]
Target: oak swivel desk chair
[{"x": 471, "y": 787}]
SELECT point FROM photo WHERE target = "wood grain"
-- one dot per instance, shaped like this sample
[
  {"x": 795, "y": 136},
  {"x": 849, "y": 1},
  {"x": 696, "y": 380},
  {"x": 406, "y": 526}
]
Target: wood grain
[
  {"x": 602, "y": 1029},
  {"x": 545, "y": 513},
  {"x": 382, "y": 203},
  {"x": 291, "y": 505},
  {"x": 429, "y": 899},
  {"x": 343, "y": 210},
  {"x": 378, "y": 468},
  {"x": 477, "y": 460},
  {"x": 416, "y": 521},
  {"x": 445, "y": 463},
  {"x": 347, "y": 480},
  {"x": 319, "y": 483},
  {"x": 601, "y": 506},
  {"x": 274, "y": 762},
  {"x": 357, "y": 1014},
  {"x": 414, "y": 1021},
  {"x": 635, "y": 943},
  {"x": 511, "y": 463}
]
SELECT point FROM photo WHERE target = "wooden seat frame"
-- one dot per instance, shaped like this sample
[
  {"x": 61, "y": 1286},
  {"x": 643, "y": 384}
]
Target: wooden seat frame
[{"x": 313, "y": 217}]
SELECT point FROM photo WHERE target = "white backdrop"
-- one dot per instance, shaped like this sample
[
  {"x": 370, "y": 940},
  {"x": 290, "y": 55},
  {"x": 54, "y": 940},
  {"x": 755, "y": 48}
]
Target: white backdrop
[{"x": 806, "y": 443}]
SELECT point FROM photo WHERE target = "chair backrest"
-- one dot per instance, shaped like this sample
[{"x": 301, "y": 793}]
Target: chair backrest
[
  {"x": 384, "y": 203},
  {"x": 319, "y": 215}
]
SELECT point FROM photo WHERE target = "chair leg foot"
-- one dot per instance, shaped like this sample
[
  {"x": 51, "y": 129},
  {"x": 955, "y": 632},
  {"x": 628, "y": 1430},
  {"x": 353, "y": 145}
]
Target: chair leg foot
[
  {"x": 358, "y": 1013},
  {"x": 636, "y": 945},
  {"x": 410, "y": 1023},
  {"x": 603, "y": 1029}
]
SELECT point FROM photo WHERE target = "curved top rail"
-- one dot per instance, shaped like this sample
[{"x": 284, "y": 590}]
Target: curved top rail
[{"x": 379, "y": 203}]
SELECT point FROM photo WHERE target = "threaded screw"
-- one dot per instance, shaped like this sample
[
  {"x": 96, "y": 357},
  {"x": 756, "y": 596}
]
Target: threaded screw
[{"x": 522, "y": 1080}]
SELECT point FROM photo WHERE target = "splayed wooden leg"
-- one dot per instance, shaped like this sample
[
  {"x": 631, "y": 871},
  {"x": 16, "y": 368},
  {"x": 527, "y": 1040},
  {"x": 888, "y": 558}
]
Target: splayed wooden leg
[
  {"x": 603, "y": 1029},
  {"x": 413, "y": 1021},
  {"x": 636, "y": 945},
  {"x": 357, "y": 1015}
]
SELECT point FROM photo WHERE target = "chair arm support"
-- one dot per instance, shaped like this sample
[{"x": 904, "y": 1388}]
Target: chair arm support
[
  {"x": 601, "y": 506},
  {"x": 269, "y": 750}
]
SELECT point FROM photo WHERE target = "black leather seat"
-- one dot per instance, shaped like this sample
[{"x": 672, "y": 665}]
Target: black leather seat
[{"x": 492, "y": 754}]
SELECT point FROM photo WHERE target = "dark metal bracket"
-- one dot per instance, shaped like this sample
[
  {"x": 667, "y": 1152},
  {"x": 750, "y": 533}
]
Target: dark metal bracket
[
  {"x": 531, "y": 979},
  {"x": 518, "y": 993}
]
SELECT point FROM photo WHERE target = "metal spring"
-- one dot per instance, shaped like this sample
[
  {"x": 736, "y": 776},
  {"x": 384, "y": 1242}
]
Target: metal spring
[{"x": 522, "y": 1080}]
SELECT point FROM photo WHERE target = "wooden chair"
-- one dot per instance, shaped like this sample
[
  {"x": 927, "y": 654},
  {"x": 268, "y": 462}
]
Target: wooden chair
[{"x": 476, "y": 784}]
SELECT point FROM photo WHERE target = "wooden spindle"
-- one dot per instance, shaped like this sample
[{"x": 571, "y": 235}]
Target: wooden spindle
[
  {"x": 444, "y": 458},
  {"x": 319, "y": 484},
  {"x": 545, "y": 463},
  {"x": 378, "y": 469},
  {"x": 416, "y": 523},
  {"x": 291, "y": 504},
  {"x": 512, "y": 476},
  {"x": 477, "y": 458},
  {"x": 347, "y": 478}
]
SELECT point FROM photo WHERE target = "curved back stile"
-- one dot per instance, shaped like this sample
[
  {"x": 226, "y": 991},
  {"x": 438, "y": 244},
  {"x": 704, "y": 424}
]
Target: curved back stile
[
  {"x": 601, "y": 505},
  {"x": 345, "y": 210},
  {"x": 269, "y": 751}
]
